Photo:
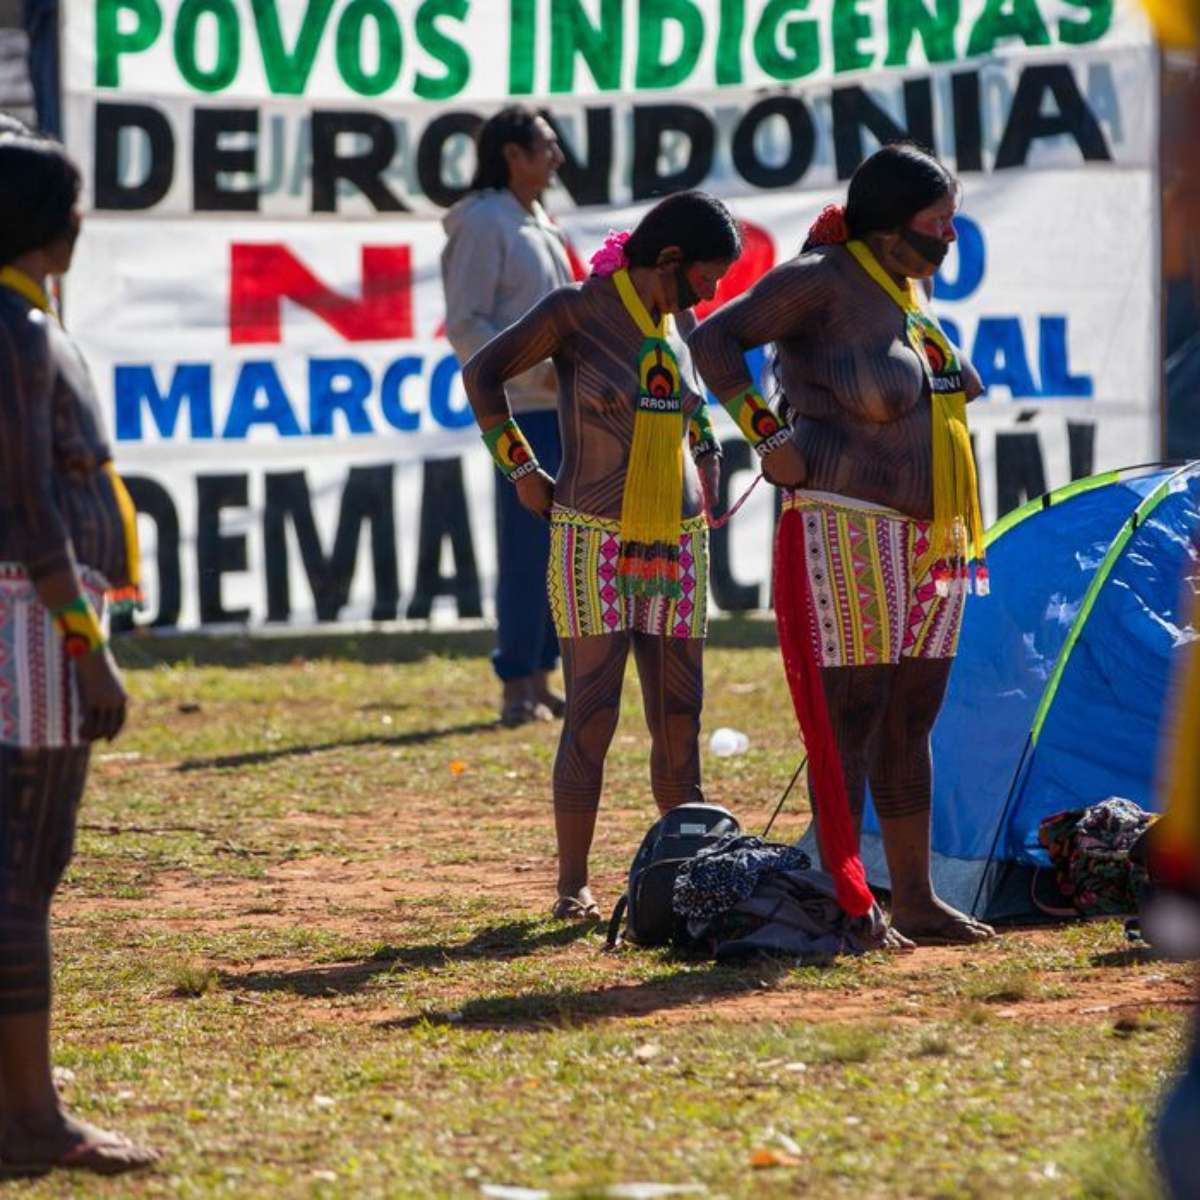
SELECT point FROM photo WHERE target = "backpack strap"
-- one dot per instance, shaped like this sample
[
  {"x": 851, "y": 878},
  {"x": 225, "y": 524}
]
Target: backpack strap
[
  {"x": 614, "y": 923},
  {"x": 786, "y": 792}
]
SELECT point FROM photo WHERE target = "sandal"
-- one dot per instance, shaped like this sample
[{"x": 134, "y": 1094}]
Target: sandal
[
  {"x": 571, "y": 908},
  {"x": 518, "y": 712}
]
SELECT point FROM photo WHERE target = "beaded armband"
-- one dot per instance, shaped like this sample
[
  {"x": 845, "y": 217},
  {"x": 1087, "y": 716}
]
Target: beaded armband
[
  {"x": 79, "y": 627},
  {"x": 759, "y": 425},
  {"x": 511, "y": 452},
  {"x": 701, "y": 438}
]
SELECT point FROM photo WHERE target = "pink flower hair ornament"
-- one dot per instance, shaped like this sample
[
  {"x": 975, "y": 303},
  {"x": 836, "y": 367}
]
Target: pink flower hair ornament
[
  {"x": 610, "y": 258},
  {"x": 829, "y": 229}
]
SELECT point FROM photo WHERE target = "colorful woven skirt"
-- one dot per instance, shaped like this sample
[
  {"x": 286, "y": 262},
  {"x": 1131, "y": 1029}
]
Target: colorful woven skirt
[
  {"x": 584, "y": 599},
  {"x": 869, "y": 605},
  {"x": 39, "y": 702}
]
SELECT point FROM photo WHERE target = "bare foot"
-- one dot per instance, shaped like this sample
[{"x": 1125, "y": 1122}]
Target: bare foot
[
  {"x": 67, "y": 1143},
  {"x": 935, "y": 923},
  {"x": 577, "y": 905},
  {"x": 896, "y": 943}
]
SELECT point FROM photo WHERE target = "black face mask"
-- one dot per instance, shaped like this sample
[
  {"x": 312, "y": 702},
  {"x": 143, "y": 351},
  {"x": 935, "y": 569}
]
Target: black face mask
[
  {"x": 932, "y": 250},
  {"x": 686, "y": 294}
]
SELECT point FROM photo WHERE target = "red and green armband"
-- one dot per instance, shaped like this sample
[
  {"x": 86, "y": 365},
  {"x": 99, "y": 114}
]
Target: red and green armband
[
  {"x": 79, "y": 626},
  {"x": 759, "y": 425},
  {"x": 512, "y": 453},
  {"x": 701, "y": 438}
]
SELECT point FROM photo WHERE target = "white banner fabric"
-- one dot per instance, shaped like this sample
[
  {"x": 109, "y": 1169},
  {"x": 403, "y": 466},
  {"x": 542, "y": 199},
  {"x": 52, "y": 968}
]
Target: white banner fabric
[{"x": 294, "y": 466}]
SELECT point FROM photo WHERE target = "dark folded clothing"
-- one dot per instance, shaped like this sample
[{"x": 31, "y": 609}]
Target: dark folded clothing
[
  {"x": 727, "y": 872},
  {"x": 794, "y": 914}
]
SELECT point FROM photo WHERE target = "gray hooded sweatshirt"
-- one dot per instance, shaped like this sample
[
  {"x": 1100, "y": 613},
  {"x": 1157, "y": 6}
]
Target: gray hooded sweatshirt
[{"x": 499, "y": 261}]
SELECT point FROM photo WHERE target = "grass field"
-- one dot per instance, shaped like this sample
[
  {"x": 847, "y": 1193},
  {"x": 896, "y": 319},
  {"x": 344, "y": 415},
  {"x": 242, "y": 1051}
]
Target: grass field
[{"x": 303, "y": 950}]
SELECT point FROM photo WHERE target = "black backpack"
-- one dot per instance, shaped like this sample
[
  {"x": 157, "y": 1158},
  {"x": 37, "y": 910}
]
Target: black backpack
[{"x": 673, "y": 839}]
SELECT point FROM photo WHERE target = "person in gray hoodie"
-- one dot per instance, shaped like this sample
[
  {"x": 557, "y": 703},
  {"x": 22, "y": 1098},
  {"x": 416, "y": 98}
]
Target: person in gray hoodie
[{"x": 502, "y": 255}]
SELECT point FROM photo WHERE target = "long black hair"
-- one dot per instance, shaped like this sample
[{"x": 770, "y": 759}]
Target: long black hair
[
  {"x": 699, "y": 224},
  {"x": 892, "y": 186},
  {"x": 39, "y": 186},
  {"x": 514, "y": 124},
  {"x": 886, "y": 191}
]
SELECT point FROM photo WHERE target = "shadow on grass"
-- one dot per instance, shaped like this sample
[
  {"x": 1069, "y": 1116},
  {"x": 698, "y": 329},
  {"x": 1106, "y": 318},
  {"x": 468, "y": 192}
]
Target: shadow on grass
[
  {"x": 418, "y": 737},
  {"x": 512, "y": 939},
  {"x": 145, "y": 649},
  {"x": 1129, "y": 957},
  {"x": 570, "y": 1007}
]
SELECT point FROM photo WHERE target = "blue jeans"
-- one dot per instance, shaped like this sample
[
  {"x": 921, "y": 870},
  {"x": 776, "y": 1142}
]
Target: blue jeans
[
  {"x": 1178, "y": 1126},
  {"x": 41, "y": 26},
  {"x": 525, "y": 640}
]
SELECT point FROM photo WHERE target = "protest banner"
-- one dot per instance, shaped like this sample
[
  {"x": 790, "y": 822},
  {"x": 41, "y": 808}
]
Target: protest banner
[{"x": 258, "y": 290}]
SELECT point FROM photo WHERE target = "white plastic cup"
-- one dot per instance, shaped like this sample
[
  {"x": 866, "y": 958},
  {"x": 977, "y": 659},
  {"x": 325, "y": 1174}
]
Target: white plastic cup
[{"x": 726, "y": 742}]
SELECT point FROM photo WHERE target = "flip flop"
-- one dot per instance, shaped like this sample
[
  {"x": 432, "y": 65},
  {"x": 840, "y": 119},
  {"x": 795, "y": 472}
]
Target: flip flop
[
  {"x": 524, "y": 712},
  {"x": 519, "y": 712},
  {"x": 571, "y": 908}
]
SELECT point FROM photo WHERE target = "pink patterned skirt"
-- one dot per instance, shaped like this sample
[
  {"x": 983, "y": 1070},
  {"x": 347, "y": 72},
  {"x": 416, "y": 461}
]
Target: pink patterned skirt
[{"x": 584, "y": 600}]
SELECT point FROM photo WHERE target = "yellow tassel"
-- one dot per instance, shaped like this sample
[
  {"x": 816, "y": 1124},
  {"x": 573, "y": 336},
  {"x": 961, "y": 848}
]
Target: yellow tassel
[
  {"x": 652, "y": 503},
  {"x": 651, "y": 507},
  {"x": 130, "y": 596},
  {"x": 957, "y": 530},
  {"x": 956, "y": 533}
]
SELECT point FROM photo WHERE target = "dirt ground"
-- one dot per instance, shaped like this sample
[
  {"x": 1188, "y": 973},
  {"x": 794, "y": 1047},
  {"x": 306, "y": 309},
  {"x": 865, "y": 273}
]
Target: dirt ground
[{"x": 359, "y": 898}]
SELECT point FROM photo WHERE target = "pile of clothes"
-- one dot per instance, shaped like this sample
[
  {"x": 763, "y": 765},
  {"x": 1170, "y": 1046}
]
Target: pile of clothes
[{"x": 742, "y": 897}]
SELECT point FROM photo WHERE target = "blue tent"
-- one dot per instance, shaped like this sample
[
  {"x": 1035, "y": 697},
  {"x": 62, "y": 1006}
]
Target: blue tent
[{"x": 1057, "y": 697}]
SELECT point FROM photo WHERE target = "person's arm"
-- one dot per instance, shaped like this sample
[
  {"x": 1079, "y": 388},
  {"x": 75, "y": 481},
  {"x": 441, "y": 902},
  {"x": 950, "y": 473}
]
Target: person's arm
[
  {"x": 702, "y": 439},
  {"x": 43, "y": 545},
  {"x": 777, "y": 306},
  {"x": 536, "y": 336},
  {"x": 27, "y": 503},
  {"x": 472, "y": 264},
  {"x": 706, "y": 449},
  {"x": 780, "y": 304}
]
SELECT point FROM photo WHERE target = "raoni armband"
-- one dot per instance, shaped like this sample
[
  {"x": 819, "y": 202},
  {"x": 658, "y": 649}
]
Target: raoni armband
[
  {"x": 759, "y": 425},
  {"x": 79, "y": 626},
  {"x": 701, "y": 439},
  {"x": 511, "y": 452}
]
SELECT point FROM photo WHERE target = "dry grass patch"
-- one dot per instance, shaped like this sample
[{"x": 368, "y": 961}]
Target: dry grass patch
[{"x": 303, "y": 954}]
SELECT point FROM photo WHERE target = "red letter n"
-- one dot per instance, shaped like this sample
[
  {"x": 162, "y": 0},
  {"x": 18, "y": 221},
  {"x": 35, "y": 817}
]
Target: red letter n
[{"x": 261, "y": 275}]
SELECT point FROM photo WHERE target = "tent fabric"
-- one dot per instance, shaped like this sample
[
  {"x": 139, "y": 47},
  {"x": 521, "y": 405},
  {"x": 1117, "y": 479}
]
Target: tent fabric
[{"x": 1057, "y": 697}]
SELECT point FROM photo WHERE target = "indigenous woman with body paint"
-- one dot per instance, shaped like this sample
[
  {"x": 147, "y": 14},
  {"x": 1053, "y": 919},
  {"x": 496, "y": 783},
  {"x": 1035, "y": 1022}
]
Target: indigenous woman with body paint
[
  {"x": 628, "y": 534},
  {"x": 67, "y": 549},
  {"x": 880, "y": 512}
]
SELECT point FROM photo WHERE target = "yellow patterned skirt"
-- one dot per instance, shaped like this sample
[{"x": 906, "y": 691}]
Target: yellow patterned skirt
[
  {"x": 870, "y": 604},
  {"x": 584, "y": 599}
]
